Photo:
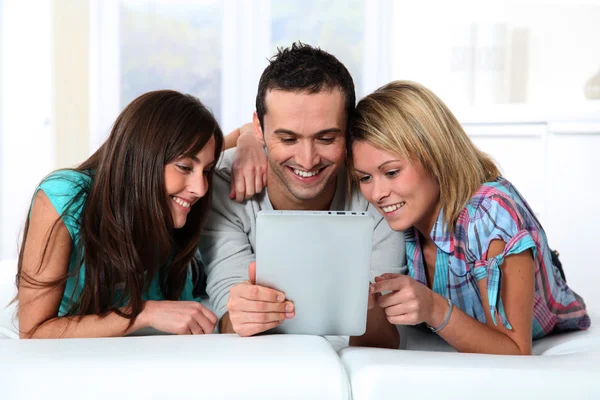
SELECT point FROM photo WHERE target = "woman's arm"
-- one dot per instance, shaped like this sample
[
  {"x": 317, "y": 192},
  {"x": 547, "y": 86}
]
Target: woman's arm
[
  {"x": 517, "y": 290},
  {"x": 38, "y": 304},
  {"x": 231, "y": 139},
  {"x": 412, "y": 303},
  {"x": 249, "y": 166}
]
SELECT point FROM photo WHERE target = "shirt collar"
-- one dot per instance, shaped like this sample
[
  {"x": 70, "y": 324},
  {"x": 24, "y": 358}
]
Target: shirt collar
[{"x": 440, "y": 236}]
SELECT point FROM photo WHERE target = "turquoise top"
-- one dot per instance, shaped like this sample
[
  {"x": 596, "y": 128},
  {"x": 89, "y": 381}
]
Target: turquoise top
[{"x": 67, "y": 191}]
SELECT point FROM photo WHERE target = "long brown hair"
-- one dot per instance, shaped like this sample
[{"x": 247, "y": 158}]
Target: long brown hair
[
  {"x": 126, "y": 227},
  {"x": 408, "y": 119}
]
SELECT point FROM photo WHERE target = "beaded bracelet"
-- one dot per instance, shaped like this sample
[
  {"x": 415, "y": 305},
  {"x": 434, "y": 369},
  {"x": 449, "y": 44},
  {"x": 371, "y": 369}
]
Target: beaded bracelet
[{"x": 448, "y": 314}]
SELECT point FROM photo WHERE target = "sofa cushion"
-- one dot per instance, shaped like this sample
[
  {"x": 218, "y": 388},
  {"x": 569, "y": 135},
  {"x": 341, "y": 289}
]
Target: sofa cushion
[
  {"x": 169, "y": 367},
  {"x": 563, "y": 366}
]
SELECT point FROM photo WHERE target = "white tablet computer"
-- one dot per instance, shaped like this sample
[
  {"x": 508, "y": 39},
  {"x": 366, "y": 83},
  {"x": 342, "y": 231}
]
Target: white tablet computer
[{"x": 321, "y": 261}]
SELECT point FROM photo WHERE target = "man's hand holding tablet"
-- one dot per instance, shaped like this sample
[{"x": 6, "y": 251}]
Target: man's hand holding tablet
[{"x": 253, "y": 308}]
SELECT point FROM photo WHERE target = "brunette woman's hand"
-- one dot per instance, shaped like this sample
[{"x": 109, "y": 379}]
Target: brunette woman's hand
[
  {"x": 250, "y": 165},
  {"x": 179, "y": 317}
]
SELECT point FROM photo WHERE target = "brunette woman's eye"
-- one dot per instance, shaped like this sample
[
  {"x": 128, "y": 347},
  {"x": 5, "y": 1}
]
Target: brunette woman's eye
[{"x": 184, "y": 168}]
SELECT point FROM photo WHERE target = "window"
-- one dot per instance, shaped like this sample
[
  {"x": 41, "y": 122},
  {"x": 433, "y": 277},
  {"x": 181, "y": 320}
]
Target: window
[
  {"x": 166, "y": 44},
  {"x": 217, "y": 50},
  {"x": 336, "y": 26}
]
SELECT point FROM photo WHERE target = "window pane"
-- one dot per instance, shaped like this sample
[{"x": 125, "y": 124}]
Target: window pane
[
  {"x": 336, "y": 26},
  {"x": 168, "y": 44}
]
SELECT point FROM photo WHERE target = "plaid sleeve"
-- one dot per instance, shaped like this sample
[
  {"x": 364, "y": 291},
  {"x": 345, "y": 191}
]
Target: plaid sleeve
[{"x": 497, "y": 218}]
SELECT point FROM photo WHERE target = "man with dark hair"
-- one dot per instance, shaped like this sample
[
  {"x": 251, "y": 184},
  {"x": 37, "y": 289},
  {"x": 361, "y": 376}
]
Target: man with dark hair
[
  {"x": 304, "y": 101},
  {"x": 308, "y": 69}
]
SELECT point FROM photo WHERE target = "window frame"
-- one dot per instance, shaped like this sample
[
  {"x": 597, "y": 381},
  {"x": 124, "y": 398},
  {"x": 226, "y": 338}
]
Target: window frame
[{"x": 246, "y": 41}]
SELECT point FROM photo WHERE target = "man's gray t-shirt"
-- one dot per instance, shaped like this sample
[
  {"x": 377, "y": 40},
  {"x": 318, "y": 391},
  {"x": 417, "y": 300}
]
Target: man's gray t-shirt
[{"x": 229, "y": 237}]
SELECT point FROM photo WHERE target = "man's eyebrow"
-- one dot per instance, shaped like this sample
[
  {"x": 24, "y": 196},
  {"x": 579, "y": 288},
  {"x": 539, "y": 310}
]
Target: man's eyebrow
[{"x": 282, "y": 131}]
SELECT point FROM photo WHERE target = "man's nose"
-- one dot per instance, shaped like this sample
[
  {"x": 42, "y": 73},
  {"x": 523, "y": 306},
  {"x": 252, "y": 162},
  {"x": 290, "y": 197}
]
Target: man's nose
[{"x": 307, "y": 156}]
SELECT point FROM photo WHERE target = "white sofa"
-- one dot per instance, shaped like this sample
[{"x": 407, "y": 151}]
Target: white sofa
[{"x": 287, "y": 366}]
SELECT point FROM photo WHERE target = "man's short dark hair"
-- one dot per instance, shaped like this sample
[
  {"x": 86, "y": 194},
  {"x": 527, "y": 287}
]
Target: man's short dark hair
[{"x": 304, "y": 68}]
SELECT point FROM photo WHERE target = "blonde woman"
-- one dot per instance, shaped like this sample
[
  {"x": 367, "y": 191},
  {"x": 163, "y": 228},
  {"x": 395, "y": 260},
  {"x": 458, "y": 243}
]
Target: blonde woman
[{"x": 481, "y": 273}]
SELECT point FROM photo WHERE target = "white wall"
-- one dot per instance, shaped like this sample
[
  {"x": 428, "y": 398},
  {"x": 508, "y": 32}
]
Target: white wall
[
  {"x": 551, "y": 49},
  {"x": 552, "y": 165},
  {"x": 27, "y": 126},
  {"x": 564, "y": 51}
]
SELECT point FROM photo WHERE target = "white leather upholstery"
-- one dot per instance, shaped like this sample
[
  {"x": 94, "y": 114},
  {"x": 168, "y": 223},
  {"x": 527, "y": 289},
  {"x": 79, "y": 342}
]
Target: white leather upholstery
[
  {"x": 287, "y": 366},
  {"x": 382, "y": 374},
  {"x": 564, "y": 366},
  {"x": 171, "y": 367}
]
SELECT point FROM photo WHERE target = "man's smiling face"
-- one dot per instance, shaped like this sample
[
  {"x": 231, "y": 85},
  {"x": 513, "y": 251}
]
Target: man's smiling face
[{"x": 305, "y": 136}]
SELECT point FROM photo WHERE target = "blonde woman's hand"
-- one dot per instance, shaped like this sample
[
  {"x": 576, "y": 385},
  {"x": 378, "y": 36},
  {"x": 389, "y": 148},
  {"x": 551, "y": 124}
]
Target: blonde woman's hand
[
  {"x": 179, "y": 317},
  {"x": 409, "y": 303},
  {"x": 250, "y": 166}
]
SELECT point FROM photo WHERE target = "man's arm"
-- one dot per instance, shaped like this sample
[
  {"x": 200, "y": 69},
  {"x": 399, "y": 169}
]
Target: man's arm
[
  {"x": 225, "y": 247},
  {"x": 241, "y": 306}
]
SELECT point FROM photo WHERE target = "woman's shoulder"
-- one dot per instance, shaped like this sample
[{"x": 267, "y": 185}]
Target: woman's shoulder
[
  {"x": 497, "y": 211},
  {"x": 497, "y": 197},
  {"x": 66, "y": 181},
  {"x": 67, "y": 191}
]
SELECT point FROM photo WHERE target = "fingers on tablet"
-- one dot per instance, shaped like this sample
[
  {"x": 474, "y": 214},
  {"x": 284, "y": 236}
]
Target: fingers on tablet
[
  {"x": 266, "y": 306},
  {"x": 263, "y": 318},
  {"x": 261, "y": 293}
]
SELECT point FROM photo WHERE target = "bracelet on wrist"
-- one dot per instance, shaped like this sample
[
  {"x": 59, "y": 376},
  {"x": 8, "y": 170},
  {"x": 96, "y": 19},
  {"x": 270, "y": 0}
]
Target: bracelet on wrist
[{"x": 446, "y": 319}]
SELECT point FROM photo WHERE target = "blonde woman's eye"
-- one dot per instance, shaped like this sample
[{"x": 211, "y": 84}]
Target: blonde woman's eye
[{"x": 392, "y": 174}]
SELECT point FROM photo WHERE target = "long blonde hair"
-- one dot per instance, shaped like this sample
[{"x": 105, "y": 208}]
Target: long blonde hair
[{"x": 408, "y": 119}]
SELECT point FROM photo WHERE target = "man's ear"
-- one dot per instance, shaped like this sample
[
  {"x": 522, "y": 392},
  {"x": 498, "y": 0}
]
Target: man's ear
[{"x": 258, "y": 132}]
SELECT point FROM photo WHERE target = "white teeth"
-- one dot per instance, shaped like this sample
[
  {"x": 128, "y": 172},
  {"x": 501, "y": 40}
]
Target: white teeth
[
  {"x": 181, "y": 202},
  {"x": 393, "y": 207},
  {"x": 305, "y": 174}
]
